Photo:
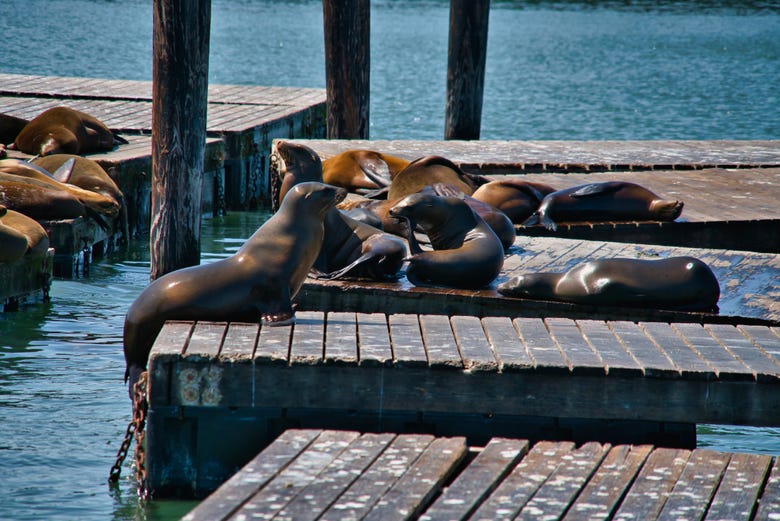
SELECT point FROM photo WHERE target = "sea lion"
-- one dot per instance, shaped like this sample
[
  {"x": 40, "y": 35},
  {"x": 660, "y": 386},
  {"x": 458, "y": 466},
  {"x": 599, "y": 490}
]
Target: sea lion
[
  {"x": 38, "y": 200},
  {"x": 426, "y": 171},
  {"x": 10, "y": 126},
  {"x": 604, "y": 202},
  {"x": 361, "y": 169},
  {"x": 682, "y": 283},
  {"x": 63, "y": 130},
  {"x": 13, "y": 243},
  {"x": 518, "y": 199},
  {"x": 467, "y": 253},
  {"x": 35, "y": 235},
  {"x": 351, "y": 247},
  {"x": 259, "y": 281}
]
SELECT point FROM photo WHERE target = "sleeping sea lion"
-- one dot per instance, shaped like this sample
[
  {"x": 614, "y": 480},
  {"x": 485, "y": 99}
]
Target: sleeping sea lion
[
  {"x": 604, "y": 202},
  {"x": 517, "y": 198},
  {"x": 258, "y": 282},
  {"x": 63, "y": 130},
  {"x": 466, "y": 252},
  {"x": 426, "y": 171},
  {"x": 35, "y": 235},
  {"x": 10, "y": 126},
  {"x": 683, "y": 283},
  {"x": 13, "y": 243},
  {"x": 38, "y": 200},
  {"x": 361, "y": 169}
]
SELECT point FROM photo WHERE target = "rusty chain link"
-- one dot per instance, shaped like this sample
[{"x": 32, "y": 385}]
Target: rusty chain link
[{"x": 135, "y": 430}]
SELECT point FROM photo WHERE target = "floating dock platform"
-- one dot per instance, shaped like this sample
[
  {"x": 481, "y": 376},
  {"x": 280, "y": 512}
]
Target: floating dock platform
[
  {"x": 338, "y": 475},
  {"x": 29, "y": 278}
]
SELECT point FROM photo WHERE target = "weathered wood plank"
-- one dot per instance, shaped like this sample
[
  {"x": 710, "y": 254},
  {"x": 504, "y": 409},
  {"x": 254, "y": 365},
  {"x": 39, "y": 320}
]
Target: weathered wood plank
[
  {"x": 569, "y": 338},
  {"x": 524, "y": 480},
  {"x": 739, "y": 488},
  {"x": 543, "y": 349},
  {"x": 725, "y": 364},
  {"x": 273, "y": 345},
  {"x": 473, "y": 344},
  {"x": 341, "y": 338},
  {"x": 690, "y": 364},
  {"x": 478, "y": 480},
  {"x": 421, "y": 482},
  {"x": 240, "y": 342},
  {"x": 374, "y": 339},
  {"x": 769, "y": 504},
  {"x": 763, "y": 366},
  {"x": 302, "y": 471},
  {"x": 206, "y": 339},
  {"x": 652, "y": 360},
  {"x": 439, "y": 341},
  {"x": 406, "y": 338},
  {"x": 253, "y": 476},
  {"x": 167, "y": 350},
  {"x": 691, "y": 496},
  {"x": 767, "y": 339},
  {"x": 617, "y": 359},
  {"x": 308, "y": 340},
  {"x": 648, "y": 493},
  {"x": 506, "y": 344},
  {"x": 380, "y": 476}
]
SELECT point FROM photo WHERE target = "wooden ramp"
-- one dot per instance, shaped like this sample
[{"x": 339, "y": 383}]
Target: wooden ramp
[
  {"x": 215, "y": 386},
  {"x": 316, "y": 474},
  {"x": 749, "y": 283}
]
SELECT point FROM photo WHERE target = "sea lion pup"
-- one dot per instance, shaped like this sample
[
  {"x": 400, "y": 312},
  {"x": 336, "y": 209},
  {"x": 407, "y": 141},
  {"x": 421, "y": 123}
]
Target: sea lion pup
[
  {"x": 681, "y": 283},
  {"x": 604, "y": 202},
  {"x": 35, "y": 235},
  {"x": 258, "y": 282},
  {"x": 361, "y": 169},
  {"x": 466, "y": 252},
  {"x": 426, "y": 171},
  {"x": 63, "y": 130},
  {"x": 517, "y": 198},
  {"x": 10, "y": 126}
]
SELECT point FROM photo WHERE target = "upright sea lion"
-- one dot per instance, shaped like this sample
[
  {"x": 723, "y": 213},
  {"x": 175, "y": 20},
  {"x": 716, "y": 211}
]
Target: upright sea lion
[
  {"x": 426, "y": 171},
  {"x": 35, "y": 235},
  {"x": 259, "y": 281},
  {"x": 467, "y": 253},
  {"x": 361, "y": 169},
  {"x": 10, "y": 126},
  {"x": 63, "y": 130},
  {"x": 604, "y": 202},
  {"x": 517, "y": 198},
  {"x": 683, "y": 283}
]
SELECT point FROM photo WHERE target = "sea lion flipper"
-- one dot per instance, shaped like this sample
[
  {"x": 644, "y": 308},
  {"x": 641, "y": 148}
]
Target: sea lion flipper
[
  {"x": 532, "y": 220},
  {"x": 118, "y": 139},
  {"x": 346, "y": 269},
  {"x": 65, "y": 171},
  {"x": 377, "y": 171},
  {"x": 596, "y": 189},
  {"x": 548, "y": 223}
]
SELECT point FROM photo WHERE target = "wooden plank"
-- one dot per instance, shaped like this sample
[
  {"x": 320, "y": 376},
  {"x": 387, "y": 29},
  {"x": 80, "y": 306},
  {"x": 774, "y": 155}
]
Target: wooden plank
[
  {"x": 506, "y": 344},
  {"x": 173, "y": 338},
  {"x": 302, "y": 471},
  {"x": 764, "y": 338},
  {"x": 545, "y": 352},
  {"x": 617, "y": 359},
  {"x": 341, "y": 338},
  {"x": 769, "y": 504},
  {"x": 308, "y": 341},
  {"x": 648, "y": 493},
  {"x": 473, "y": 344},
  {"x": 763, "y": 366},
  {"x": 273, "y": 344},
  {"x": 583, "y": 359},
  {"x": 690, "y": 364},
  {"x": 651, "y": 358},
  {"x": 252, "y": 476},
  {"x": 606, "y": 487},
  {"x": 206, "y": 339},
  {"x": 739, "y": 488},
  {"x": 421, "y": 482},
  {"x": 691, "y": 496},
  {"x": 557, "y": 493},
  {"x": 524, "y": 480},
  {"x": 478, "y": 480},
  {"x": 240, "y": 342},
  {"x": 439, "y": 341},
  {"x": 316, "y": 497},
  {"x": 725, "y": 364},
  {"x": 374, "y": 339},
  {"x": 361, "y": 496},
  {"x": 406, "y": 338}
]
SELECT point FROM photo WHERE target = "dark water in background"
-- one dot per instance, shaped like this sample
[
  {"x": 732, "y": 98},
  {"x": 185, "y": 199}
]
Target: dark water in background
[{"x": 555, "y": 70}]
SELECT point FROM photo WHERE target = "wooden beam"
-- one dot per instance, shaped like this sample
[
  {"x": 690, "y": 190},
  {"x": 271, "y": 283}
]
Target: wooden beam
[
  {"x": 466, "y": 68},
  {"x": 179, "y": 95},
  {"x": 347, "y": 63}
]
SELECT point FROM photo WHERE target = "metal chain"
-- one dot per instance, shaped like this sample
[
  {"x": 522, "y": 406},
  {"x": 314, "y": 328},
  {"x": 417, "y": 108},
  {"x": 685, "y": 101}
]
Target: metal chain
[{"x": 135, "y": 430}]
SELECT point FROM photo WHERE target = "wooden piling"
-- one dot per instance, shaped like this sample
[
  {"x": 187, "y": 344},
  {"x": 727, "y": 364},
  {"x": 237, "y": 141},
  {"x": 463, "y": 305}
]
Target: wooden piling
[
  {"x": 179, "y": 91},
  {"x": 466, "y": 68},
  {"x": 347, "y": 63}
]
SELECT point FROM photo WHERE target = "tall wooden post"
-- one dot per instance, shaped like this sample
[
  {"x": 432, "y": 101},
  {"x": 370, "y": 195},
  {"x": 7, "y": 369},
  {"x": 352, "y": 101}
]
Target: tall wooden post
[
  {"x": 347, "y": 62},
  {"x": 179, "y": 93},
  {"x": 466, "y": 68}
]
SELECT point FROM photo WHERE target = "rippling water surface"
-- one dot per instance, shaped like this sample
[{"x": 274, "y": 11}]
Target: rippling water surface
[{"x": 555, "y": 70}]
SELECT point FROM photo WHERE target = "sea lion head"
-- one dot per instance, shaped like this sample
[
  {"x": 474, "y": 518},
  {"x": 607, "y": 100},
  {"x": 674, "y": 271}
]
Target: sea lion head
[
  {"x": 295, "y": 164},
  {"x": 313, "y": 197},
  {"x": 429, "y": 210},
  {"x": 530, "y": 285}
]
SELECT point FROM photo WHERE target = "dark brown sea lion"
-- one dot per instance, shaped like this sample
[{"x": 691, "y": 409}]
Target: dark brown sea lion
[
  {"x": 683, "y": 283},
  {"x": 10, "y": 126},
  {"x": 34, "y": 233},
  {"x": 604, "y": 202},
  {"x": 466, "y": 252},
  {"x": 426, "y": 171},
  {"x": 361, "y": 169},
  {"x": 63, "y": 130},
  {"x": 351, "y": 247},
  {"x": 258, "y": 282},
  {"x": 517, "y": 198}
]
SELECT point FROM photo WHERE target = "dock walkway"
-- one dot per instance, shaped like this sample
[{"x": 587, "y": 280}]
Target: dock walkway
[{"x": 321, "y": 474}]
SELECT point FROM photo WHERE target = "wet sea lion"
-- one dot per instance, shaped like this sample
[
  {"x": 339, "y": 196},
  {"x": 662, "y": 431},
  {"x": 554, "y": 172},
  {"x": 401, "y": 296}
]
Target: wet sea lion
[
  {"x": 63, "y": 130},
  {"x": 682, "y": 283},
  {"x": 466, "y": 252},
  {"x": 35, "y": 235},
  {"x": 10, "y": 126},
  {"x": 604, "y": 202},
  {"x": 258, "y": 282},
  {"x": 426, "y": 171},
  {"x": 517, "y": 198},
  {"x": 361, "y": 169}
]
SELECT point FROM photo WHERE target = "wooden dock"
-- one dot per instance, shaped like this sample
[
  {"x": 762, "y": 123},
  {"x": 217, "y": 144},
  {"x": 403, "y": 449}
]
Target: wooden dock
[
  {"x": 340, "y": 475},
  {"x": 220, "y": 392},
  {"x": 26, "y": 279}
]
